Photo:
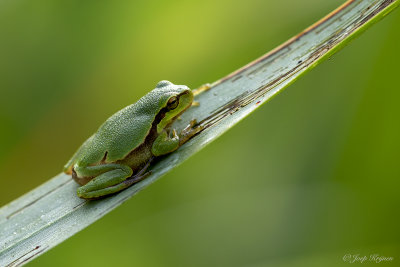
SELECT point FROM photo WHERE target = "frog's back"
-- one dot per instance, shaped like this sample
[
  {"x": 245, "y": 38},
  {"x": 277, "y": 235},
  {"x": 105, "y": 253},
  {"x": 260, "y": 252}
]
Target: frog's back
[{"x": 123, "y": 131}]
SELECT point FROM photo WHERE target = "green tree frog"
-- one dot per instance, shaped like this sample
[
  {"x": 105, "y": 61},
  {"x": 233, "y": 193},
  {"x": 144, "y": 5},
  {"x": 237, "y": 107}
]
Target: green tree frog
[{"x": 118, "y": 154}]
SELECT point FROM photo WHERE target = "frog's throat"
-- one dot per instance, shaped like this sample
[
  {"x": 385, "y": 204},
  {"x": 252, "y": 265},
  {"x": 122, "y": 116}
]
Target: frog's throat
[{"x": 185, "y": 101}]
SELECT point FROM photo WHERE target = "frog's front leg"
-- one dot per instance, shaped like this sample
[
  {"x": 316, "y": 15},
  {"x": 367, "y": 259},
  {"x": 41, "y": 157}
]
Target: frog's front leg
[
  {"x": 189, "y": 131},
  {"x": 201, "y": 89},
  {"x": 108, "y": 179},
  {"x": 166, "y": 142}
]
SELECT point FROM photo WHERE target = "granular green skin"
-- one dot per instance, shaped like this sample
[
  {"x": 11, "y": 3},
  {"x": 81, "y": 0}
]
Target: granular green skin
[{"x": 128, "y": 140}]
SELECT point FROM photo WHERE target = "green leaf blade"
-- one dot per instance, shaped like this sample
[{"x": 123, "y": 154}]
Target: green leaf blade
[{"x": 51, "y": 213}]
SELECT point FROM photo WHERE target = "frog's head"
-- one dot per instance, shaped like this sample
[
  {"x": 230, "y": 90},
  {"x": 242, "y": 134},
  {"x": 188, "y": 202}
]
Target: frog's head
[{"x": 176, "y": 99}]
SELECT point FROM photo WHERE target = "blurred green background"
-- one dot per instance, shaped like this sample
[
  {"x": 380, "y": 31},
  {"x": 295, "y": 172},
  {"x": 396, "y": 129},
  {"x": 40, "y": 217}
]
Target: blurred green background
[{"x": 309, "y": 177}]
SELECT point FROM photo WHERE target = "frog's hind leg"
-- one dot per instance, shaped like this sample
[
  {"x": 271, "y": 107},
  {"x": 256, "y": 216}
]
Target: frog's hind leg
[
  {"x": 106, "y": 177},
  {"x": 112, "y": 181}
]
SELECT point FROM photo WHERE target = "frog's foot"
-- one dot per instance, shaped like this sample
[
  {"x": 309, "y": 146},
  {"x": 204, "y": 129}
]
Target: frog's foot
[
  {"x": 201, "y": 89},
  {"x": 142, "y": 174},
  {"x": 135, "y": 179},
  {"x": 195, "y": 103},
  {"x": 190, "y": 130}
]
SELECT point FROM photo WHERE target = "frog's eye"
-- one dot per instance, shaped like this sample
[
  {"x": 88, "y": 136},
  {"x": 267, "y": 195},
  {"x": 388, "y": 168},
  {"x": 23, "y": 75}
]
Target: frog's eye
[{"x": 172, "y": 103}]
